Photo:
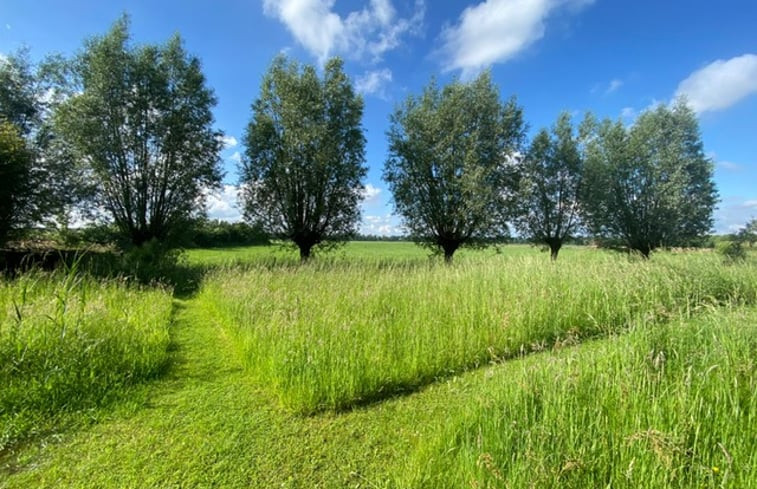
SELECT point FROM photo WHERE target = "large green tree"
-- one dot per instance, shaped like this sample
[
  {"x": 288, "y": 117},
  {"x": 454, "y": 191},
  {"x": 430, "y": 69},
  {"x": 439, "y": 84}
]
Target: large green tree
[
  {"x": 551, "y": 174},
  {"x": 140, "y": 120},
  {"x": 451, "y": 163},
  {"x": 305, "y": 152},
  {"x": 650, "y": 185}
]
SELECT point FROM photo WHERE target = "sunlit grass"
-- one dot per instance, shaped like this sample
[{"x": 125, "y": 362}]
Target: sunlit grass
[
  {"x": 668, "y": 406},
  {"x": 67, "y": 342},
  {"x": 330, "y": 336}
]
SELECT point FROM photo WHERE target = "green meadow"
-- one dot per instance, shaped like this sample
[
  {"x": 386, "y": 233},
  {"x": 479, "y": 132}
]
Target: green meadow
[{"x": 378, "y": 365}]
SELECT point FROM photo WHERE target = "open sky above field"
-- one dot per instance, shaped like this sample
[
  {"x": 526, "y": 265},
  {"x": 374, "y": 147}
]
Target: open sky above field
[{"x": 613, "y": 58}]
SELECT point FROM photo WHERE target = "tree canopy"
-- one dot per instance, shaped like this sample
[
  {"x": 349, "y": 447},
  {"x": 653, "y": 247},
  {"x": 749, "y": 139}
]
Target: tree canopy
[
  {"x": 551, "y": 174},
  {"x": 305, "y": 152},
  {"x": 140, "y": 120},
  {"x": 15, "y": 181},
  {"x": 450, "y": 164},
  {"x": 47, "y": 185},
  {"x": 649, "y": 185}
]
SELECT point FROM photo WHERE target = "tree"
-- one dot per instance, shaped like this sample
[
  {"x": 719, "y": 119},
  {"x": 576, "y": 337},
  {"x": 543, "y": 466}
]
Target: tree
[
  {"x": 44, "y": 180},
  {"x": 748, "y": 233},
  {"x": 305, "y": 154},
  {"x": 142, "y": 125},
  {"x": 550, "y": 180},
  {"x": 650, "y": 185},
  {"x": 449, "y": 167},
  {"x": 15, "y": 181}
]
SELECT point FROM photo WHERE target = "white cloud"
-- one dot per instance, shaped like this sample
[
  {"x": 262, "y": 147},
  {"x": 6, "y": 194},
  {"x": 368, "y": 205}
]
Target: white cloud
[
  {"x": 222, "y": 204},
  {"x": 370, "y": 194},
  {"x": 386, "y": 225},
  {"x": 494, "y": 31},
  {"x": 374, "y": 82},
  {"x": 373, "y": 31},
  {"x": 228, "y": 141},
  {"x": 614, "y": 85},
  {"x": 628, "y": 113},
  {"x": 734, "y": 213},
  {"x": 236, "y": 157},
  {"x": 720, "y": 84}
]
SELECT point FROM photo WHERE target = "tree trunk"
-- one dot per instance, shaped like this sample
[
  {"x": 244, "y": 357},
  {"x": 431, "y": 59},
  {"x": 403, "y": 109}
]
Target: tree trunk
[
  {"x": 449, "y": 250},
  {"x": 305, "y": 249},
  {"x": 554, "y": 248}
]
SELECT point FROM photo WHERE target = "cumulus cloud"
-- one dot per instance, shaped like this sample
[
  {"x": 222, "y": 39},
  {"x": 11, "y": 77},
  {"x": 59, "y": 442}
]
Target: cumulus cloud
[
  {"x": 385, "y": 225},
  {"x": 223, "y": 204},
  {"x": 372, "y": 31},
  {"x": 236, "y": 157},
  {"x": 228, "y": 141},
  {"x": 370, "y": 194},
  {"x": 374, "y": 82},
  {"x": 494, "y": 31},
  {"x": 720, "y": 84}
]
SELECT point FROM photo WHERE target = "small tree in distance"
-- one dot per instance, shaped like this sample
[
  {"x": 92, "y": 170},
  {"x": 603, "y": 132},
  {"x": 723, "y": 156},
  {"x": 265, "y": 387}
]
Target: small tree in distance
[
  {"x": 448, "y": 167},
  {"x": 304, "y": 159},
  {"x": 550, "y": 179}
]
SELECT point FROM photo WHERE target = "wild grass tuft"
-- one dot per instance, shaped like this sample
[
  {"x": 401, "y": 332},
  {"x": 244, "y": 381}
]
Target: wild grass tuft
[{"x": 67, "y": 341}]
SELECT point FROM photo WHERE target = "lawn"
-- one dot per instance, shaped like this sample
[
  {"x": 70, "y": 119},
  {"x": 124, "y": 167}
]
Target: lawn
[{"x": 380, "y": 367}]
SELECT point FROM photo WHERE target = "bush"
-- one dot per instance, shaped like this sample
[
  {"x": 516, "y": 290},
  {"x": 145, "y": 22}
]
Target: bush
[{"x": 215, "y": 233}]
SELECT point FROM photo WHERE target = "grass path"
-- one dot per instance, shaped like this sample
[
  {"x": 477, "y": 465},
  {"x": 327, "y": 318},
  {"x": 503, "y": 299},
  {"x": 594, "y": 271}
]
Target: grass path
[{"x": 204, "y": 424}]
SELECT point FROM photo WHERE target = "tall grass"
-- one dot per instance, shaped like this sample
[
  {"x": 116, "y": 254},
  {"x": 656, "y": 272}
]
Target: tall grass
[
  {"x": 671, "y": 406},
  {"x": 68, "y": 341},
  {"x": 336, "y": 335}
]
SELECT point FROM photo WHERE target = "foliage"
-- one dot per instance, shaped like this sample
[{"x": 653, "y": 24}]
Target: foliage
[
  {"x": 551, "y": 174},
  {"x": 48, "y": 184},
  {"x": 450, "y": 163},
  {"x": 316, "y": 344},
  {"x": 215, "y": 233},
  {"x": 305, "y": 151},
  {"x": 68, "y": 342},
  {"x": 15, "y": 178},
  {"x": 142, "y": 124},
  {"x": 649, "y": 185},
  {"x": 748, "y": 233}
]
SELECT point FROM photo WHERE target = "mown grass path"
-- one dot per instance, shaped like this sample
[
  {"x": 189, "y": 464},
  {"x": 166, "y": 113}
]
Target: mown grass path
[{"x": 204, "y": 424}]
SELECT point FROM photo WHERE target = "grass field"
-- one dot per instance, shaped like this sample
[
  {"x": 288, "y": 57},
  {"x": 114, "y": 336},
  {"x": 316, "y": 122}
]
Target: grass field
[
  {"x": 380, "y": 367},
  {"x": 336, "y": 335}
]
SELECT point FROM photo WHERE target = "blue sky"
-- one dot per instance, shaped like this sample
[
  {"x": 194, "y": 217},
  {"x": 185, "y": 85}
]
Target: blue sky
[{"x": 611, "y": 57}]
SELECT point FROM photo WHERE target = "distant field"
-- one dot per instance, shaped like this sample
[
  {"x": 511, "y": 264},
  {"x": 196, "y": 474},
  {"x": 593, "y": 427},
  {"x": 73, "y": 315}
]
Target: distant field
[{"x": 383, "y": 251}]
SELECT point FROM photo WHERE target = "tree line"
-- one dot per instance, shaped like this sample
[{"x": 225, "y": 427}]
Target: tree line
[{"x": 127, "y": 131}]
